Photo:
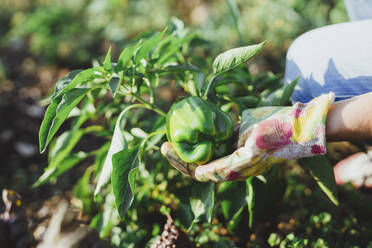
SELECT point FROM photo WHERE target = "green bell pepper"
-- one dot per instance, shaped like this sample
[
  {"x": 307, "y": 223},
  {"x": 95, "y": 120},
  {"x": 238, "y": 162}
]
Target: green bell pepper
[{"x": 198, "y": 130}]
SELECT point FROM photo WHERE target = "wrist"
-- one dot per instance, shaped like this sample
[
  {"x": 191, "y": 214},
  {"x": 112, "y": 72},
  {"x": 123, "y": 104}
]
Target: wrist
[{"x": 350, "y": 119}]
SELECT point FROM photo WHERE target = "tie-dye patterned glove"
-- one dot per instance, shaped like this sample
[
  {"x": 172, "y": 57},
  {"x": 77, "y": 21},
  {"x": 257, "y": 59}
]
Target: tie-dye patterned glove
[{"x": 267, "y": 136}]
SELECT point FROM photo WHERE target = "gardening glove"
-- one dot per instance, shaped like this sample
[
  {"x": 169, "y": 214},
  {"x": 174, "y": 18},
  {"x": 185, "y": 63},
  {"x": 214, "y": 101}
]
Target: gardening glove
[{"x": 267, "y": 136}]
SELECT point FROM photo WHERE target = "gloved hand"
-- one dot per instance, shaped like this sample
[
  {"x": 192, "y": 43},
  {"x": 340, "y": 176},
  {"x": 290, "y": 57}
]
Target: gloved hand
[
  {"x": 267, "y": 136},
  {"x": 198, "y": 130}
]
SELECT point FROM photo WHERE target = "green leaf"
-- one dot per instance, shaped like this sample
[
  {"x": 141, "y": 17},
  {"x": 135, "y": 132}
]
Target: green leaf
[
  {"x": 163, "y": 46},
  {"x": 82, "y": 191},
  {"x": 250, "y": 200},
  {"x": 266, "y": 81},
  {"x": 184, "y": 213},
  {"x": 230, "y": 80},
  {"x": 281, "y": 96},
  {"x": 257, "y": 197},
  {"x": 147, "y": 46},
  {"x": 245, "y": 102},
  {"x": 114, "y": 84},
  {"x": 107, "y": 62},
  {"x": 65, "y": 142},
  {"x": 57, "y": 113},
  {"x": 177, "y": 27},
  {"x": 86, "y": 110},
  {"x": 77, "y": 79},
  {"x": 100, "y": 158},
  {"x": 273, "y": 240},
  {"x": 123, "y": 176},
  {"x": 152, "y": 139},
  {"x": 322, "y": 171},
  {"x": 234, "y": 222},
  {"x": 276, "y": 185},
  {"x": 126, "y": 55},
  {"x": 199, "y": 79},
  {"x": 106, "y": 220},
  {"x": 287, "y": 92},
  {"x": 64, "y": 145},
  {"x": 118, "y": 143},
  {"x": 202, "y": 201},
  {"x": 174, "y": 47},
  {"x": 232, "y": 195},
  {"x": 182, "y": 68},
  {"x": 234, "y": 57},
  {"x": 58, "y": 169},
  {"x": 63, "y": 82}
]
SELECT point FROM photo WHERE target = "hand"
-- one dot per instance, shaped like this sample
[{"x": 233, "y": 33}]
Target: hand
[
  {"x": 268, "y": 135},
  {"x": 212, "y": 171}
]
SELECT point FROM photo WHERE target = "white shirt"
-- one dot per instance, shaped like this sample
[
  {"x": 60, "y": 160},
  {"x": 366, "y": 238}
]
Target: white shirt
[{"x": 359, "y": 9}]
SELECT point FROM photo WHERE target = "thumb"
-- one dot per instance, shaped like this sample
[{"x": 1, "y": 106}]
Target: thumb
[{"x": 183, "y": 167}]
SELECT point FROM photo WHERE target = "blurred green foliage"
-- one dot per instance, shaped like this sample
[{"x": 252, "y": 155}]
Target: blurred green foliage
[
  {"x": 73, "y": 32},
  {"x": 55, "y": 33}
]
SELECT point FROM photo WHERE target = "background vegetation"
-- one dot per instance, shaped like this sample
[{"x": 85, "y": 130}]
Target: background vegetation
[{"x": 42, "y": 40}]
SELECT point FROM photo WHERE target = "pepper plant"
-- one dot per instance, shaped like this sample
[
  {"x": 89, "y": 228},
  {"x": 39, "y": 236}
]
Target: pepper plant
[{"x": 123, "y": 104}]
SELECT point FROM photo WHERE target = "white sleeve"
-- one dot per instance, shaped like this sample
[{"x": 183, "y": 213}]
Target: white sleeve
[{"x": 359, "y": 9}]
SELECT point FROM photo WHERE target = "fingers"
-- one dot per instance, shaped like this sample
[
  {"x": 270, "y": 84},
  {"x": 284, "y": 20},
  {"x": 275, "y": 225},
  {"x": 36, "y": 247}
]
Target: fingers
[
  {"x": 214, "y": 171},
  {"x": 237, "y": 166},
  {"x": 226, "y": 168},
  {"x": 176, "y": 162}
]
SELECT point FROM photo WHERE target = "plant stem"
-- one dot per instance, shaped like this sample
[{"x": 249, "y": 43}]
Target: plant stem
[
  {"x": 148, "y": 105},
  {"x": 94, "y": 128},
  {"x": 181, "y": 58},
  {"x": 234, "y": 11},
  {"x": 205, "y": 95},
  {"x": 152, "y": 93},
  {"x": 144, "y": 141}
]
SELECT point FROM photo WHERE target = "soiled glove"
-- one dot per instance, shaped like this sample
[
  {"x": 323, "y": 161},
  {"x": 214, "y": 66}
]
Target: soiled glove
[{"x": 267, "y": 136}]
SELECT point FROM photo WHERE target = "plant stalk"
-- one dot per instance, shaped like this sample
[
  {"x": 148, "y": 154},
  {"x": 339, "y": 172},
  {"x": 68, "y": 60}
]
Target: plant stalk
[
  {"x": 210, "y": 83},
  {"x": 148, "y": 105}
]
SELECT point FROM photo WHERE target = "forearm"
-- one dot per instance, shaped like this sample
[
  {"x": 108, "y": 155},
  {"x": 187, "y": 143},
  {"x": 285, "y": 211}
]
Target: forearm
[{"x": 350, "y": 119}]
